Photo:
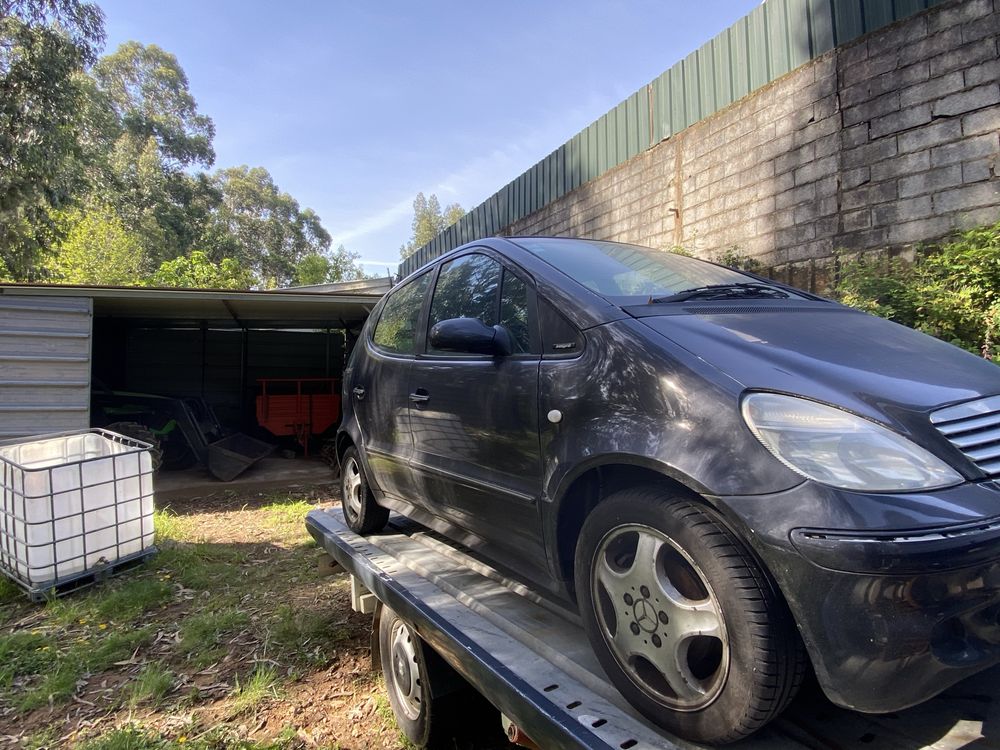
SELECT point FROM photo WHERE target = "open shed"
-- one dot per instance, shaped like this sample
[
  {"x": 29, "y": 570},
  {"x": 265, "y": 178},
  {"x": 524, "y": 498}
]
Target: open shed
[{"x": 60, "y": 343}]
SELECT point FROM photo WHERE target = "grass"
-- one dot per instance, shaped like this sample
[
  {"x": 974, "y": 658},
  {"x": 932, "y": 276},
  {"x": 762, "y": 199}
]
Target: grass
[
  {"x": 232, "y": 592},
  {"x": 260, "y": 687},
  {"x": 151, "y": 686},
  {"x": 201, "y": 635}
]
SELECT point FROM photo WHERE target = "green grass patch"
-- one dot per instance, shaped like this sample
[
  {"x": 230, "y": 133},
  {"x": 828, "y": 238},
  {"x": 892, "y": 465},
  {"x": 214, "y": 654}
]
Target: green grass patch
[
  {"x": 306, "y": 636},
  {"x": 261, "y": 686},
  {"x": 201, "y": 634},
  {"x": 24, "y": 653},
  {"x": 168, "y": 526},
  {"x": 151, "y": 686},
  {"x": 58, "y": 670},
  {"x": 135, "y": 737},
  {"x": 290, "y": 511},
  {"x": 120, "y": 601},
  {"x": 203, "y": 567}
]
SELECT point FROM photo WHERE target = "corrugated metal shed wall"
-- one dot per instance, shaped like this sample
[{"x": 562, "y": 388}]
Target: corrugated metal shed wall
[
  {"x": 774, "y": 39},
  {"x": 44, "y": 365},
  {"x": 169, "y": 362}
]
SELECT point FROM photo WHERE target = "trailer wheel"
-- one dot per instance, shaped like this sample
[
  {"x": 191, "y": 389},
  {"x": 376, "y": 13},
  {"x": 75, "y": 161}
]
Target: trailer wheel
[
  {"x": 362, "y": 514},
  {"x": 683, "y": 619},
  {"x": 138, "y": 431},
  {"x": 420, "y": 685}
]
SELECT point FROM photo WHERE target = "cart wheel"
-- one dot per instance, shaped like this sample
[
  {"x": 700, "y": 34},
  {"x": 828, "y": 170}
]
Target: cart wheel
[
  {"x": 362, "y": 514},
  {"x": 421, "y": 686},
  {"x": 138, "y": 431}
]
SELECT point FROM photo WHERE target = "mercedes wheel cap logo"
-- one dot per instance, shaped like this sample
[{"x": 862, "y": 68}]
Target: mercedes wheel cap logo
[{"x": 645, "y": 615}]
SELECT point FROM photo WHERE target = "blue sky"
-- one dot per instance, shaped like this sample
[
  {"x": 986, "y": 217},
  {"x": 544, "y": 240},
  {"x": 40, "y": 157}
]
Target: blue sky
[{"x": 354, "y": 107}]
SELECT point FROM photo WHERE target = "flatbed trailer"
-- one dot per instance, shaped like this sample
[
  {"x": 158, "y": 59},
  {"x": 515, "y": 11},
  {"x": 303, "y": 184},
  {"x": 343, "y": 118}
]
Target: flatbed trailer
[{"x": 531, "y": 659}]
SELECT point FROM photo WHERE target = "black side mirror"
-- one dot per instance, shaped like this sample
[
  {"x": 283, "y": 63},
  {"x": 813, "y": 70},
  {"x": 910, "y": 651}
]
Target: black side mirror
[{"x": 471, "y": 336}]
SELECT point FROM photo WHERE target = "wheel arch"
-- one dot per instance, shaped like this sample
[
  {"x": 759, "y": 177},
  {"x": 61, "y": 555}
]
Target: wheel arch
[
  {"x": 584, "y": 488},
  {"x": 344, "y": 441}
]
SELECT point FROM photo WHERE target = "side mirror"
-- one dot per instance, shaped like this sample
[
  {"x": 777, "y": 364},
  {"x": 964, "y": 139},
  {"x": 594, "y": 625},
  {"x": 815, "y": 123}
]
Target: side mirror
[{"x": 471, "y": 336}]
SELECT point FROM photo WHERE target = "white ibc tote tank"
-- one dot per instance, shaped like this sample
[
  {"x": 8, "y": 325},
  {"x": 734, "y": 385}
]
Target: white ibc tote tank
[{"x": 73, "y": 504}]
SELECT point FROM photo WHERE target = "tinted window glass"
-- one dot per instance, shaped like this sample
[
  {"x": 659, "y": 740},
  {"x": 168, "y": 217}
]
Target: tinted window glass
[
  {"x": 514, "y": 311},
  {"x": 628, "y": 273},
  {"x": 467, "y": 288},
  {"x": 397, "y": 326}
]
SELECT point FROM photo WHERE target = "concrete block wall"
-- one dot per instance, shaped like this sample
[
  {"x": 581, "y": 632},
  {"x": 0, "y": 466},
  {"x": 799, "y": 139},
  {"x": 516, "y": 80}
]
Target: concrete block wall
[{"x": 886, "y": 143}]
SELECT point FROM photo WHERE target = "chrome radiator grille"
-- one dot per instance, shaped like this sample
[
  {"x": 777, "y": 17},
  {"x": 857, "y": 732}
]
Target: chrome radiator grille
[{"x": 973, "y": 428}]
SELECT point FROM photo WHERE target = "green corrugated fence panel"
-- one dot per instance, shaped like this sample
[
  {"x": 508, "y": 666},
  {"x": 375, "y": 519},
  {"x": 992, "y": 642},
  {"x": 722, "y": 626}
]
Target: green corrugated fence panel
[
  {"x": 620, "y": 153},
  {"x": 906, "y": 8},
  {"x": 776, "y": 18},
  {"x": 848, "y": 20},
  {"x": 821, "y": 38},
  {"x": 706, "y": 80},
  {"x": 661, "y": 111},
  {"x": 877, "y": 13},
  {"x": 739, "y": 58},
  {"x": 799, "y": 32},
  {"x": 692, "y": 93},
  {"x": 757, "y": 31},
  {"x": 773, "y": 39},
  {"x": 723, "y": 70}
]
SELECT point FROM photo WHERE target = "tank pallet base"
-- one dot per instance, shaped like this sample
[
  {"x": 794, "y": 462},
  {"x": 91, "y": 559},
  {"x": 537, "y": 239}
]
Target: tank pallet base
[{"x": 69, "y": 584}]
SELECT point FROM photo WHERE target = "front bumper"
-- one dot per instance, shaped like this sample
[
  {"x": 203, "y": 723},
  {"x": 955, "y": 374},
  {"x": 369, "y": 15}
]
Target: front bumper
[{"x": 890, "y": 618}]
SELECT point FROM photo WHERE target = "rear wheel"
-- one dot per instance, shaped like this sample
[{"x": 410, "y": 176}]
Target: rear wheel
[
  {"x": 141, "y": 432},
  {"x": 429, "y": 700},
  {"x": 362, "y": 514},
  {"x": 683, "y": 619}
]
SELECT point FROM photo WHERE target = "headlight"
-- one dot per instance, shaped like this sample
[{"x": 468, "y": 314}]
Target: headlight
[{"x": 834, "y": 447}]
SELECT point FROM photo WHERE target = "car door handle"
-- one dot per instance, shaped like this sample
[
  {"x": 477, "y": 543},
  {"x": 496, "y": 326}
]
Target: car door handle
[
  {"x": 419, "y": 397},
  {"x": 359, "y": 392}
]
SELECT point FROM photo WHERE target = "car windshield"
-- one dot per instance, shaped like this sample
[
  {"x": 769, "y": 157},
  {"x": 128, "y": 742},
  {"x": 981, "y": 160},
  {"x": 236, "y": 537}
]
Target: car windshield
[{"x": 630, "y": 274}]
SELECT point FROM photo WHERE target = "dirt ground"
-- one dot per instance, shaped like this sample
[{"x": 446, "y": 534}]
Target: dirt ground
[{"x": 234, "y": 636}]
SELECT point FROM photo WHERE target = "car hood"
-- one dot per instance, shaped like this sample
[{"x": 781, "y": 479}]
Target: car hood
[{"x": 834, "y": 354}]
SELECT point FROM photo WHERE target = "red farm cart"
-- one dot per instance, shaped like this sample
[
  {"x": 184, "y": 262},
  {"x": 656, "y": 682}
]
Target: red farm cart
[{"x": 298, "y": 407}]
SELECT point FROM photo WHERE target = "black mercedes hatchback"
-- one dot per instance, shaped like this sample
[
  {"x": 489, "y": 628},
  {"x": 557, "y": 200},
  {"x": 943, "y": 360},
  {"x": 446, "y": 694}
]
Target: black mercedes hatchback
[{"x": 730, "y": 478}]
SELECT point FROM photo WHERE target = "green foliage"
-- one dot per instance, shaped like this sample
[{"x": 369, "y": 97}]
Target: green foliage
[
  {"x": 148, "y": 91},
  {"x": 195, "y": 270},
  {"x": 951, "y": 291},
  {"x": 316, "y": 268},
  {"x": 97, "y": 249},
  {"x": 733, "y": 258},
  {"x": 98, "y": 183},
  {"x": 262, "y": 227},
  {"x": 43, "y": 48},
  {"x": 260, "y": 687},
  {"x": 429, "y": 222}
]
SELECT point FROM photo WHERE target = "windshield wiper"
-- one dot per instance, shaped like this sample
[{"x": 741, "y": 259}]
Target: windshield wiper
[{"x": 746, "y": 290}]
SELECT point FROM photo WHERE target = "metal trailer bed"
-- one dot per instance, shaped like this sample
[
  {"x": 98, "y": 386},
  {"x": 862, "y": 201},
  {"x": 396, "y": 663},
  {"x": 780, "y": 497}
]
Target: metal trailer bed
[{"x": 531, "y": 659}]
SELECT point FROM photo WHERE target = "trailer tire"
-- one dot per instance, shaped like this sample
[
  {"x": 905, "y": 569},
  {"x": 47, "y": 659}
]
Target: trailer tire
[
  {"x": 683, "y": 619},
  {"x": 415, "y": 678},
  {"x": 138, "y": 431},
  {"x": 362, "y": 513}
]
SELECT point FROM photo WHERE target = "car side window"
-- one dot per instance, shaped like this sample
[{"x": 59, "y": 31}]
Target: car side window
[
  {"x": 514, "y": 314},
  {"x": 467, "y": 287},
  {"x": 396, "y": 331}
]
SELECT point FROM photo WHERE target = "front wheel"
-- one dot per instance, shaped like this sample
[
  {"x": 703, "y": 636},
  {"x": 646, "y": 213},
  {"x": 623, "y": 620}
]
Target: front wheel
[
  {"x": 683, "y": 619},
  {"x": 361, "y": 512}
]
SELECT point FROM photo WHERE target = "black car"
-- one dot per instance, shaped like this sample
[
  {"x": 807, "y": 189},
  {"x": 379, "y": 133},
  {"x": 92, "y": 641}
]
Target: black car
[{"x": 732, "y": 479}]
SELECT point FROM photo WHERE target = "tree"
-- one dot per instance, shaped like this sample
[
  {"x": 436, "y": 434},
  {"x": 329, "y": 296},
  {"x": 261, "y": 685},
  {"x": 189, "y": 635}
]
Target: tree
[
  {"x": 44, "y": 45},
  {"x": 317, "y": 268},
  {"x": 261, "y": 227},
  {"x": 429, "y": 222},
  {"x": 97, "y": 249},
  {"x": 197, "y": 270},
  {"x": 148, "y": 91}
]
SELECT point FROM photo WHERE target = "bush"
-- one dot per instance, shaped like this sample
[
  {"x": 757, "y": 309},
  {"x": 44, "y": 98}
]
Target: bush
[{"x": 951, "y": 290}]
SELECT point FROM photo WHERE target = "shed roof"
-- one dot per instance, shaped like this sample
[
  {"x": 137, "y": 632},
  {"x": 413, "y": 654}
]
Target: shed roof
[{"x": 217, "y": 308}]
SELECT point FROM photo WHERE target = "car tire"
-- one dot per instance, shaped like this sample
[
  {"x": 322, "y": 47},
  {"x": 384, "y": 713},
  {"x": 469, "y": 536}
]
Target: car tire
[
  {"x": 362, "y": 513},
  {"x": 427, "y": 696},
  {"x": 683, "y": 619}
]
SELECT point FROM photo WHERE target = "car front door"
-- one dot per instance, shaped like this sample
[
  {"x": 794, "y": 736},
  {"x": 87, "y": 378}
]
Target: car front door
[
  {"x": 379, "y": 387},
  {"x": 475, "y": 417}
]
